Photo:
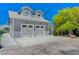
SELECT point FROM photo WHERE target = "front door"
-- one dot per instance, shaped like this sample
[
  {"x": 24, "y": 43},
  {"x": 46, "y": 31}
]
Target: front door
[
  {"x": 39, "y": 30},
  {"x": 27, "y": 30}
]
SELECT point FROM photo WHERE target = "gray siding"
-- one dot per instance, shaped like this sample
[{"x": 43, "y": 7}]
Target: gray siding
[
  {"x": 11, "y": 28},
  {"x": 18, "y": 22}
]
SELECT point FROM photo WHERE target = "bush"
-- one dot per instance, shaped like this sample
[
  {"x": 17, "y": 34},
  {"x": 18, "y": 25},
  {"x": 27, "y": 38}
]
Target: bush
[
  {"x": 2, "y": 31},
  {"x": 54, "y": 33},
  {"x": 77, "y": 33}
]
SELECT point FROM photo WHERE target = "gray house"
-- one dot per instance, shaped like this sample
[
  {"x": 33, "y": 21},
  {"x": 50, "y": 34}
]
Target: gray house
[{"x": 27, "y": 22}]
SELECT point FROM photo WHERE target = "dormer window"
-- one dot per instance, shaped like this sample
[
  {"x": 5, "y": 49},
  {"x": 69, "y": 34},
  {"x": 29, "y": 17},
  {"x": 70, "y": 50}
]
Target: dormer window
[
  {"x": 33, "y": 13},
  {"x": 39, "y": 13},
  {"x": 25, "y": 11}
]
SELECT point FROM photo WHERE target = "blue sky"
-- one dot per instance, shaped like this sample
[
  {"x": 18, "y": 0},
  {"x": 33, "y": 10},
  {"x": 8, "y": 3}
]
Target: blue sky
[{"x": 49, "y": 9}]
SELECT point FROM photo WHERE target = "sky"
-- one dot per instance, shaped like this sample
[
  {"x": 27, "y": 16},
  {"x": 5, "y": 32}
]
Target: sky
[{"x": 49, "y": 9}]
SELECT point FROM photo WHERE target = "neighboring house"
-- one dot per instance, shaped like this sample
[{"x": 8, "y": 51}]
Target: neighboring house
[{"x": 27, "y": 22}]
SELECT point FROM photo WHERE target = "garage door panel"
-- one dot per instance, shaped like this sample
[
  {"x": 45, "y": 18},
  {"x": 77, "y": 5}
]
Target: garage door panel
[
  {"x": 39, "y": 30},
  {"x": 30, "y": 30},
  {"x": 27, "y": 31}
]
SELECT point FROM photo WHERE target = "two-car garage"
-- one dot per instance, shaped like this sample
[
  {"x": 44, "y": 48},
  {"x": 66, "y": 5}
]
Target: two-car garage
[{"x": 32, "y": 30}]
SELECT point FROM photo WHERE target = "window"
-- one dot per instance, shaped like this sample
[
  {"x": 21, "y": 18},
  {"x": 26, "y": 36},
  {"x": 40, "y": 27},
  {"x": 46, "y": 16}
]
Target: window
[
  {"x": 24, "y": 25},
  {"x": 39, "y": 15},
  {"x": 30, "y": 26},
  {"x": 42, "y": 26},
  {"x": 37, "y": 26}
]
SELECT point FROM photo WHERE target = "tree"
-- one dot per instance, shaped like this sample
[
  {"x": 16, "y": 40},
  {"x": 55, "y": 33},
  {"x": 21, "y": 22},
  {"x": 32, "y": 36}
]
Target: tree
[
  {"x": 2, "y": 31},
  {"x": 66, "y": 19}
]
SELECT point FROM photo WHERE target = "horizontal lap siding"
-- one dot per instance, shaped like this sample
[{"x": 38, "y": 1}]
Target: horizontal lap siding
[
  {"x": 16, "y": 33},
  {"x": 18, "y": 22}
]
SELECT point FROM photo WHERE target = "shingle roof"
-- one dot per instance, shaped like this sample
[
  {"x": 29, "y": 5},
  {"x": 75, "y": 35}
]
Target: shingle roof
[{"x": 15, "y": 15}]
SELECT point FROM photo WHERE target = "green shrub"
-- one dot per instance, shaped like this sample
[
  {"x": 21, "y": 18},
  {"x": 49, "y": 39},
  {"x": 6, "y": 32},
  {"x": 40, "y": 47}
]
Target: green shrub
[{"x": 54, "y": 33}]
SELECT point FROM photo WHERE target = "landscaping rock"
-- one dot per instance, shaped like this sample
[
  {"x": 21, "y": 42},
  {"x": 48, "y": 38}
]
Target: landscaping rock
[{"x": 72, "y": 36}]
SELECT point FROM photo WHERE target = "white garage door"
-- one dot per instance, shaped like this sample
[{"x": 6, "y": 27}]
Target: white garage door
[
  {"x": 27, "y": 30},
  {"x": 39, "y": 30}
]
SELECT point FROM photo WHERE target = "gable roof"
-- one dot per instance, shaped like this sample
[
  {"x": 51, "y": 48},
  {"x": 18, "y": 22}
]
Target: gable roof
[
  {"x": 39, "y": 11},
  {"x": 26, "y": 8},
  {"x": 15, "y": 15}
]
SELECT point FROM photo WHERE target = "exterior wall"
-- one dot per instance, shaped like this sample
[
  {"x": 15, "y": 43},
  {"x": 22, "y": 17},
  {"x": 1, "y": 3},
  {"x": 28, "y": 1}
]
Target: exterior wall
[
  {"x": 11, "y": 26},
  {"x": 18, "y": 22}
]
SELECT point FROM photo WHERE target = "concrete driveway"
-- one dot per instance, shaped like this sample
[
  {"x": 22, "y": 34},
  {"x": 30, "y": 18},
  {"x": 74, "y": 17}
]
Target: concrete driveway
[{"x": 54, "y": 46}]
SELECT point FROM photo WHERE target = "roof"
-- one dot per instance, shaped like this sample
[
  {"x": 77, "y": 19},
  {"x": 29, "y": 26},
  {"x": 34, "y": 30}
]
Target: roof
[
  {"x": 50, "y": 23},
  {"x": 15, "y": 15},
  {"x": 25, "y": 7},
  {"x": 39, "y": 11}
]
